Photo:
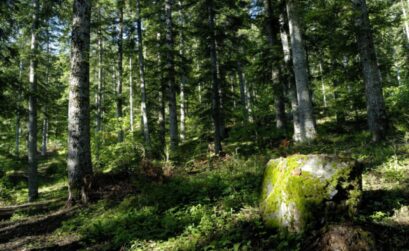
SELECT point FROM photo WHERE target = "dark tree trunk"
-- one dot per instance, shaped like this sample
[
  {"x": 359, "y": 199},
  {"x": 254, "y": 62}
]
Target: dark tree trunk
[
  {"x": 100, "y": 76},
  {"x": 292, "y": 94},
  {"x": 44, "y": 133},
  {"x": 119, "y": 98},
  {"x": 215, "y": 80},
  {"x": 144, "y": 109},
  {"x": 272, "y": 33},
  {"x": 79, "y": 153},
  {"x": 131, "y": 84},
  {"x": 100, "y": 86},
  {"x": 45, "y": 120},
  {"x": 32, "y": 108},
  {"x": 162, "y": 116},
  {"x": 305, "y": 109},
  {"x": 18, "y": 112},
  {"x": 243, "y": 94},
  {"x": 377, "y": 119},
  {"x": 170, "y": 70},
  {"x": 222, "y": 96},
  {"x": 162, "y": 101},
  {"x": 183, "y": 80}
]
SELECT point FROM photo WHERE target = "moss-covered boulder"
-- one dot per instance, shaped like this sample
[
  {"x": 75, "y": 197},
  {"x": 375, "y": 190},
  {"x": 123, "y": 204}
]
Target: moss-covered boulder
[{"x": 302, "y": 191}]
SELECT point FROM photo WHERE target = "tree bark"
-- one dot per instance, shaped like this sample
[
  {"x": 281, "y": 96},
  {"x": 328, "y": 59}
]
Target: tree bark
[
  {"x": 183, "y": 80},
  {"x": 131, "y": 85},
  {"x": 100, "y": 76},
  {"x": 199, "y": 92},
  {"x": 79, "y": 152},
  {"x": 278, "y": 87},
  {"x": 44, "y": 133},
  {"x": 32, "y": 107},
  {"x": 377, "y": 119},
  {"x": 119, "y": 98},
  {"x": 405, "y": 21},
  {"x": 144, "y": 109},
  {"x": 249, "y": 100},
  {"x": 222, "y": 96},
  {"x": 170, "y": 70},
  {"x": 324, "y": 94},
  {"x": 45, "y": 120},
  {"x": 182, "y": 109},
  {"x": 305, "y": 109},
  {"x": 243, "y": 89},
  {"x": 233, "y": 90},
  {"x": 162, "y": 101},
  {"x": 131, "y": 94},
  {"x": 292, "y": 94},
  {"x": 215, "y": 80},
  {"x": 18, "y": 112}
]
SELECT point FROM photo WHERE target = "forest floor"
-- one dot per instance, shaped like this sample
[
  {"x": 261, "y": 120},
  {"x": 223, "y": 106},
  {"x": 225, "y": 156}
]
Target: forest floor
[{"x": 206, "y": 204}]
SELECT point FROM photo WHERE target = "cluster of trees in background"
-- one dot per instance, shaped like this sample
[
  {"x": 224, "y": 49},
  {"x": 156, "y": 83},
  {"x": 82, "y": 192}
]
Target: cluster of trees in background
[{"x": 169, "y": 73}]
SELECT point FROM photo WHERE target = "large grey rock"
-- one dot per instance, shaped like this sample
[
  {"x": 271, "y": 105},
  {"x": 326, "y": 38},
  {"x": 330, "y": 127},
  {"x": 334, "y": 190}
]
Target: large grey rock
[{"x": 301, "y": 191}]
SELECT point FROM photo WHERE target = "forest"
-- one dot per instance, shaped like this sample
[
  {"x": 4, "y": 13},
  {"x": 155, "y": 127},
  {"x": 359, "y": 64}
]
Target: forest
[{"x": 204, "y": 125}]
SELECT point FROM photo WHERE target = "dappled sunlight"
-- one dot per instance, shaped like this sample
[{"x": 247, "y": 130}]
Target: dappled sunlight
[{"x": 204, "y": 125}]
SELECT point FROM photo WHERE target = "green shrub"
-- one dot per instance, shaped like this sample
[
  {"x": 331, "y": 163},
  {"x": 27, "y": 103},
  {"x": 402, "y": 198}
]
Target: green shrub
[{"x": 119, "y": 156}]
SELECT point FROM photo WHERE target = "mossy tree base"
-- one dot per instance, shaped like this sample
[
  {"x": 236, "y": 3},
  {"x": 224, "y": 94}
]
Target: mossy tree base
[{"x": 302, "y": 191}]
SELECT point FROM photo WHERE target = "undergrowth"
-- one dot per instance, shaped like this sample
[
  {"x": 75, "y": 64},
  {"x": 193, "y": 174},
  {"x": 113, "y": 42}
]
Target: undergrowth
[
  {"x": 212, "y": 210},
  {"x": 213, "y": 203}
]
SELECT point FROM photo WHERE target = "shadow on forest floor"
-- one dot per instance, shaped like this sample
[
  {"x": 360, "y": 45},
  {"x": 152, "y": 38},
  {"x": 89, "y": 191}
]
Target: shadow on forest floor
[
  {"x": 216, "y": 207},
  {"x": 385, "y": 213}
]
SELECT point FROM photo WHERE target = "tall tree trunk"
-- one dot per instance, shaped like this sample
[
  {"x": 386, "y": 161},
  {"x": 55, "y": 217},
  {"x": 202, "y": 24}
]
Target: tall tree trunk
[
  {"x": 305, "y": 109},
  {"x": 222, "y": 96},
  {"x": 292, "y": 94},
  {"x": 79, "y": 152},
  {"x": 131, "y": 84},
  {"x": 162, "y": 116},
  {"x": 18, "y": 114},
  {"x": 377, "y": 120},
  {"x": 280, "y": 109},
  {"x": 44, "y": 133},
  {"x": 170, "y": 70},
  {"x": 278, "y": 87},
  {"x": 249, "y": 100},
  {"x": 215, "y": 80},
  {"x": 405, "y": 21},
  {"x": 324, "y": 94},
  {"x": 144, "y": 111},
  {"x": 182, "y": 108},
  {"x": 100, "y": 76},
  {"x": 243, "y": 89},
  {"x": 339, "y": 114},
  {"x": 100, "y": 86},
  {"x": 131, "y": 94},
  {"x": 162, "y": 101},
  {"x": 119, "y": 98},
  {"x": 32, "y": 108},
  {"x": 233, "y": 90},
  {"x": 45, "y": 120},
  {"x": 183, "y": 80},
  {"x": 199, "y": 92}
]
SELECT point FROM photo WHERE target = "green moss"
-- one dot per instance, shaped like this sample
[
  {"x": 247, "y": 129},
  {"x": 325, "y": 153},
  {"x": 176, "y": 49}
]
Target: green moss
[{"x": 292, "y": 199}]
